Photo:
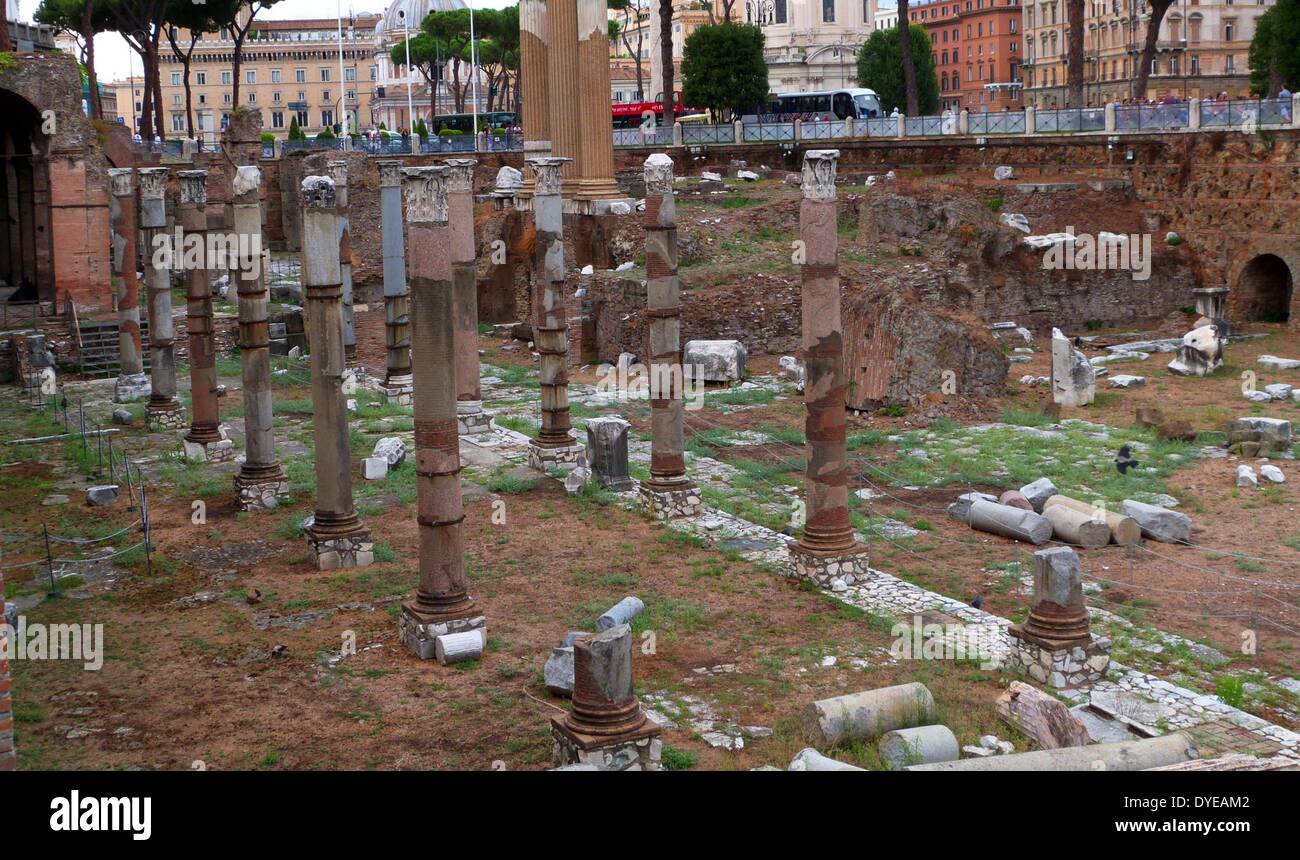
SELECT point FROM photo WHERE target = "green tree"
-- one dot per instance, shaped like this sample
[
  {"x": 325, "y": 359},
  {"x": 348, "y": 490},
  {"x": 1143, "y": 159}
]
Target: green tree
[
  {"x": 195, "y": 19},
  {"x": 1275, "y": 51},
  {"x": 295, "y": 133},
  {"x": 723, "y": 68},
  {"x": 880, "y": 67},
  {"x": 83, "y": 19}
]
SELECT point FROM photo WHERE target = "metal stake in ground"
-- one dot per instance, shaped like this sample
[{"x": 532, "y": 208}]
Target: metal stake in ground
[
  {"x": 397, "y": 321},
  {"x": 441, "y": 604},
  {"x": 164, "y": 410},
  {"x": 131, "y": 384},
  {"x": 336, "y": 536},
  {"x": 339, "y": 173},
  {"x": 826, "y": 550},
  {"x": 261, "y": 483},
  {"x": 554, "y": 446},
  {"x": 205, "y": 428},
  {"x": 668, "y": 493}
]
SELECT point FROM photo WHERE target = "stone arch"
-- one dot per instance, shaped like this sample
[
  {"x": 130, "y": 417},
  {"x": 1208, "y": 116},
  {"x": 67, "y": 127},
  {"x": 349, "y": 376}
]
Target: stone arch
[
  {"x": 1267, "y": 286},
  {"x": 54, "y": 214}
]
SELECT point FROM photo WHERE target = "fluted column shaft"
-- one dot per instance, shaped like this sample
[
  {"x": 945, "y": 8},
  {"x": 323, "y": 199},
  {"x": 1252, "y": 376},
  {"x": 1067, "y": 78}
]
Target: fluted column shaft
[
  {"x": 563, "y": 73},
  {"x": 464, "y": 274},
  {"x": 204, "y": 418},
  {"x": 596, "y": 135},
  {"x": 533, "y": 34}
]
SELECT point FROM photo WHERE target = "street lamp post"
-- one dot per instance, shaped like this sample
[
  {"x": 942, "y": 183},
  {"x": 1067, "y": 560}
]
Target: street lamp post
[
  {"x": 410, "y": 104},
  {"x": 338, "y": 8},
  {"x": 473, "y": 56}
]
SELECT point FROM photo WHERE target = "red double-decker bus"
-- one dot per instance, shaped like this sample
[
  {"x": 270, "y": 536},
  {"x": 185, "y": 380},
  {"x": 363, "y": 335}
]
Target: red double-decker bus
[{"x": 634, "y": 114}]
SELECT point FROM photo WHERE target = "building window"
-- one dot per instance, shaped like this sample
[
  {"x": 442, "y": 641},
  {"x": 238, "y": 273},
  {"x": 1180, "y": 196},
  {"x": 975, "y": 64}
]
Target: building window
[
  {"x": 350, "y": 74},
  {"x": 176, "y": 79},
  {"x": 252, "y": 98},
  {"x": 326, "y": 118},
  {"x": 275, "y": 76},
  {"x": 325, "y": 75},
  {"x": 178, "y": 122},
  {"x": 277, "y": 119},
  {"x": 201, "y": 78},
  {"x": 227, "y": 98},
  {"x": 250, "y": 76},
  {"x": 225, "y": 77},
  {"x": 779, "y": 12},
  {"x": 300, "y": 75},
  {"x": 275, "y": 97}
]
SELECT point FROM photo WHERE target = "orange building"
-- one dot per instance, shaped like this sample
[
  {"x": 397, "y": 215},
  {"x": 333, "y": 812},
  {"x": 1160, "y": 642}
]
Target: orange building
[{"x": 976, "y": 49}]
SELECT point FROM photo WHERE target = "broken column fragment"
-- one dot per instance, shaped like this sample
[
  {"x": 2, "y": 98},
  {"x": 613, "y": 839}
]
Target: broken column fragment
[
  {"x": 607, "y": 452},
  {"x": 1122, "y": 756},
  {"x": 1200, "y": 353},
  {"x": 827, "y": 550},
  {"x": 261, "y": 483},
  {"x": 1074, "y": 379},
  {"x": 397, "y": 320},
  {"x": 1007, "y": 521},
  {"x": 919, "y": 745},
  {"x": 606, "y": 727},
  {"x": 164, "y": 410},
  {"x": 1054, "y": 645},
  {"x": 132, "y": 384},
  {"x": 555, "y": 446},
  {"x": 335, "y": 536},
  {"x": 867, "y": 715},
  {"x": 668, "y": 493},
  {"x": 441, "y": 604},
  {"x": 205, "y": 441}
]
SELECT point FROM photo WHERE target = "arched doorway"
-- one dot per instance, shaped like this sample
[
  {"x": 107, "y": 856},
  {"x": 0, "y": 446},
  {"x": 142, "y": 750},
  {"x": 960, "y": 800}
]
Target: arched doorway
[
  {"x": 1265, "y": 288},
  {"x": 26, "y": 272}
]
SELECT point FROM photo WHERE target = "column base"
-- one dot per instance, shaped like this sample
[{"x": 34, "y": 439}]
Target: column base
[
  {"x": 471, "y": 419},
  {"x": 1062, "y": 668},
  {"x": 332, "y": 552},
  {"x": 165, "y": 417},
  {"x": 221, "y": 451},
  {"x": 641, "y": 749},
  {"x": 420, "y": 635},
  {"x": 261, "y": 493},
  {"x": 399, "y": 390},
  {"x": 565, "y": 458},
  {"x": 833, "y": 570},
  {"x": 670, "y": 503},
  {"x": 132, "y": 387}
]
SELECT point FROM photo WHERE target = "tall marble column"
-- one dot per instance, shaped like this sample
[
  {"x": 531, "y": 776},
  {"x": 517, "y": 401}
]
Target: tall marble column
[
  {"x": 596, "y": 134},
  {"x": 397, "y": 304},
  {"x": 470, "y": 417},
  {"x": 563, "y": 73},
  {"x": 554, "y": 447},
  {"x": 441, "y": 604},
  {"x": 335, "y": 536},
  {"x": 668, "y": 493},
  {"x": 261, "y": 482},
  {"x": 164, "y": 411},
  {"x": 533, "y": 33},
  {"x": 339, "y": 173},
  {"x": 205, "y": 440},
  {"x": 827, "y": 544},
  {"x": 131, "y": 384}
]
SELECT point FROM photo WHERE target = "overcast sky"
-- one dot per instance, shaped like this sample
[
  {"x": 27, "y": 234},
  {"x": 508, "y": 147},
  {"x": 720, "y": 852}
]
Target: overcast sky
[{"x": 115, "y": 61}]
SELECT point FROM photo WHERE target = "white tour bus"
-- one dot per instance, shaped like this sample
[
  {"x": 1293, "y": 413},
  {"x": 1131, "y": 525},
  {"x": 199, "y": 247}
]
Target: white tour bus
[{"x": 824, "y": 106}]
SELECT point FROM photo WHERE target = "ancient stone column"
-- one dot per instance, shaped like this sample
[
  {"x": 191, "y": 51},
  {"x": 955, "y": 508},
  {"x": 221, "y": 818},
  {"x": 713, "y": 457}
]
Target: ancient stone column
[
  {"x": 563, "y": 73},
  {"x": 668, "y": 493},
  {"x": 336, "y": 536},
  {"x": 1054, "y": 645},
  {"x": 339, "y": 173},
  {"x": 536, "y": 85},
  {"x": 205, "y": 440},
  {"x": 470, "y": 417},
  {"x": 596, "y": 137},
  {"x": 441, "y": 605},
  {"x": 131, "y": 384},
  {"x": 606, "y": 727},
  {"x": 261, "y": 483},
  {"x": 554, "y": 447},
  {"x": 397, "y": 305},
  {"x": 827, "y": 549},
  {"x": 164, "y": 411}
]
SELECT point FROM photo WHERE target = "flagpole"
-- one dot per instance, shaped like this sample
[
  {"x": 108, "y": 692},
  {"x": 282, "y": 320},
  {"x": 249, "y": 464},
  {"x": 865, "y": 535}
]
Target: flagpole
[
  {"x": 343, "y": 101},
  {"x": 410, "y": 104},
  {"x": 473, "y": 59}
]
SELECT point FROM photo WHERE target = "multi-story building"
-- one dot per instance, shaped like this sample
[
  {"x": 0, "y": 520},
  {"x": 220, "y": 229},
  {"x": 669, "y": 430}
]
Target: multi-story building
[
  {"x": 290, "y": 70},
  {"x": 811, "y": 44},
  {"x": 128, "y": 101},
  {"x": 1201, "y": 50},
  {"x": 975, "y": 45},
  {"x": 399, "y": 93},
  {"x": 886, "y": 17}
]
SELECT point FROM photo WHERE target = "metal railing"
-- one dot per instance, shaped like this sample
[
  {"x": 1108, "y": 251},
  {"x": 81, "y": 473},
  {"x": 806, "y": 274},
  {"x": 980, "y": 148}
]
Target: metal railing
[
  {"x": 877, "y": 126},
  {"x": 930, "y": 126},
  {"x": 314, "y": 143},
  {"x": 1150, "y": 117},
  {"x": 1248, "y": 112},
  {"x": 692, "y": 133},
  {"x": 823, "y": 130},
  {"x": 769, "y": 131},
  {"x": 659, "y": 135},
  {"x": 448, "y": 143},
  {"x": 1070, "y": 120},
  {"x": 999, "y": 122}
]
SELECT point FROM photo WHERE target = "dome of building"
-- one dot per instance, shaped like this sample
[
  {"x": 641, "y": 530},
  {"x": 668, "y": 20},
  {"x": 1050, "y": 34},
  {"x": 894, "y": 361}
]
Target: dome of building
[{"x": 416, "y": 11}]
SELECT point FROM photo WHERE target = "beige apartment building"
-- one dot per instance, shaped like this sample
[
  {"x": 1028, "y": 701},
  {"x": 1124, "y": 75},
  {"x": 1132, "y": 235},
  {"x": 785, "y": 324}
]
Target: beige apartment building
[
  {"x": 289, "y": 70},
  {"x": 1201, "y": 51}
]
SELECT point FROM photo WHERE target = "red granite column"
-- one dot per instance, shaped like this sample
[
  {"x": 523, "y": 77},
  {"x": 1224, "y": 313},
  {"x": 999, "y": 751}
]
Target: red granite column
[
  {"x": 441, "y": 604},
  {"x": 470, "y": 417},
  {"x": 827, "y": 549},
  {"x": 204, "y": 441}
]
